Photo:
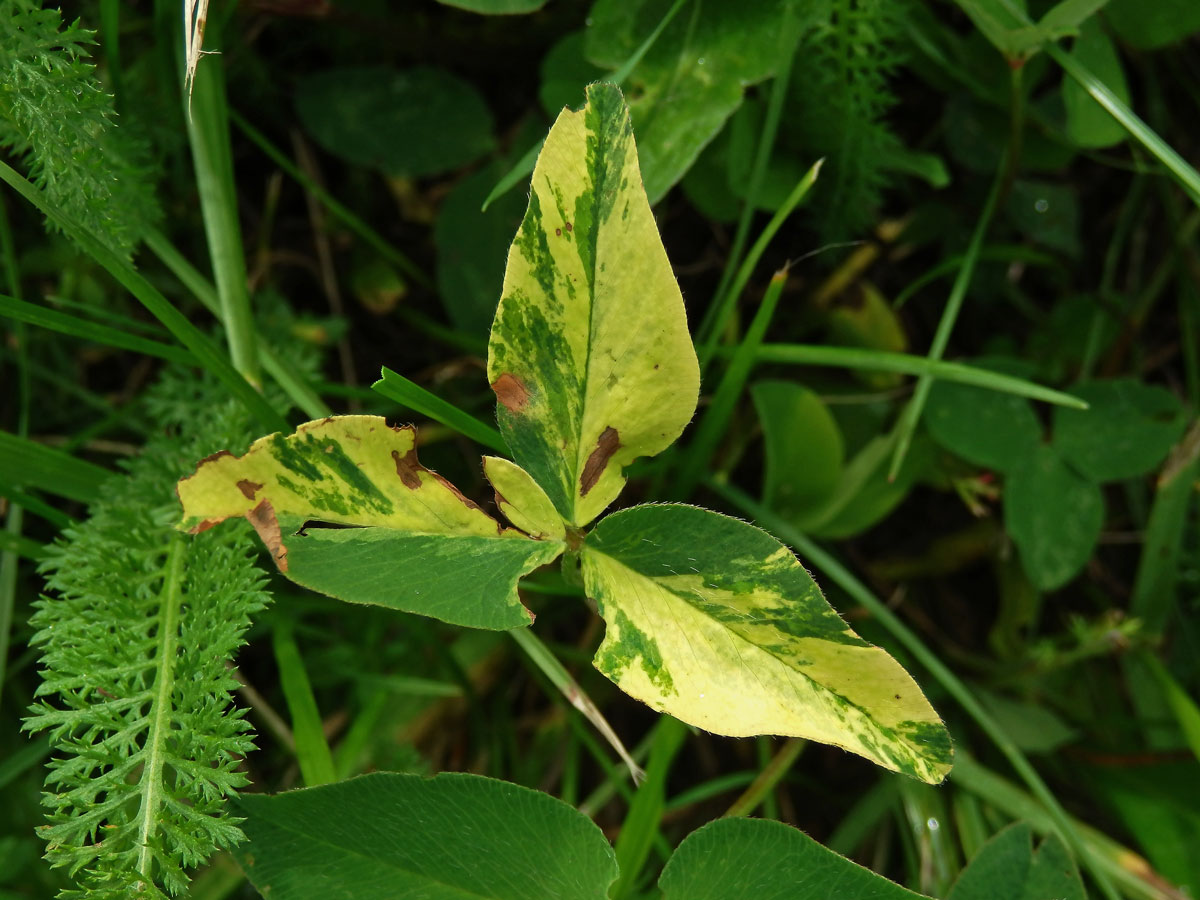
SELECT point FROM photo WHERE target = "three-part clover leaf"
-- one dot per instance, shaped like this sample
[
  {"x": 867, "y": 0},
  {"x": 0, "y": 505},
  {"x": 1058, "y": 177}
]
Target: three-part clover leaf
[{"x": 708, "y": 618}]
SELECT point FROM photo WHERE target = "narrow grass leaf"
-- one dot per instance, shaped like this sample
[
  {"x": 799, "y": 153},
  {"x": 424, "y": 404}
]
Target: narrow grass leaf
[
  {"x": 409, "y": 394},
  {"x": 43, "y": 468},
  {"x": 312, "y": 750},
  {"x": 879, "y": 360},
  {"x": 184, "y": 331},
  {"x": 44, "y": 317}
]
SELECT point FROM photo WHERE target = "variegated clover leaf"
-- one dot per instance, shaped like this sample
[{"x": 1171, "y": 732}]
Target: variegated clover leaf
[{"x": 708, "y": 618}]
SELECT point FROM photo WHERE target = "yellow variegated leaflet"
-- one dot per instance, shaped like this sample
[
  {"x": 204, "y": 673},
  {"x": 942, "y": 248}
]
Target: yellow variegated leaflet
[
  {"x": 409, "y": 539},
  {"x": 708, "y": 619},
  {"x": 717, "y": 623},
  {"x": 590, "y": 356}
]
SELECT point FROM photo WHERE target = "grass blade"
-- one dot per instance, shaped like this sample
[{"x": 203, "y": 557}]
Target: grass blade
[
  {"x": 411, "y": 395},
  {"x": 184, "y": 331},
  {"x": 293, "y": 384},
  {"x": 524, "y": 166},
  {"x": 908, "y": 364},
  {"x": 208, "y": 133},
  {"x": 46, "y": 469},
  {"x": 715, "y": 421},
  {"x": 720, "y": 313},
  {"x": 907, "y": 425},
  {"x": 312, "y": 750},
  {"x": 52, "y": 319}
]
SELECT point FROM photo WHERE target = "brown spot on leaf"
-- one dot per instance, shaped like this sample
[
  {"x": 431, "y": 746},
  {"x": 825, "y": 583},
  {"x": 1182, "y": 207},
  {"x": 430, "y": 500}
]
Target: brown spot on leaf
[
  {"x": 407, "y": 468},
  {"x": 249, "y": 488},
  {"x": 262, "y": 517},
  {"x": 570, "y": 227},
  {"x": 511, "y": 392},
  {"x": 558, "y": 232},
  {"x": 606, "y": 446},
  {"x": 216, "y": 455}
]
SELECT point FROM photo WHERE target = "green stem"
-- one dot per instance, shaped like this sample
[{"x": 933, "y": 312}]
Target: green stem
[
  {"x": 540, "y": 655},
  {"x": 1187, "y": 176},
  {"x": 843, "y": 578},
  {"x": 766, "y": 143},
  {"x": 155, "y": 750},
  {"x": 15, "y": 520},
  {"x": 646, "y": 811},
  {"x": 907, "y": 425},
  {"x": 337, "y": 209},
  {"x": 178, "y": 324},
  {"x": 715, "y": 421},
  {"x": 208, "y": 131},
  {"x": 770, "y": 776},
  {"x": 292, "y": 382},
  {"x": 722, "y": 312}
]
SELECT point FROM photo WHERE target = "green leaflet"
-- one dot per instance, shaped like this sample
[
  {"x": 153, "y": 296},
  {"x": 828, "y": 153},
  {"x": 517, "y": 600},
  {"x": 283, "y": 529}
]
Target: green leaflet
[
  {"x": 522, "y": 501},
  {"x": 590, "y": 356},
  {"x": 731, "y": 859},
  {"x": 403, "y": 536},
  {"x": 1008, "y": 867},
  {"x": 715, "y": 622}
]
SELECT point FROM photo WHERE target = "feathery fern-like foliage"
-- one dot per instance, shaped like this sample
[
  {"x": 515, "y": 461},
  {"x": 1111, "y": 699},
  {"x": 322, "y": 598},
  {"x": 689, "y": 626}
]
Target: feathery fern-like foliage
[
  {"x": 55, "y": 115},
  {"x": 136, "y": 634},
  {"x": 840, "y": 79}
]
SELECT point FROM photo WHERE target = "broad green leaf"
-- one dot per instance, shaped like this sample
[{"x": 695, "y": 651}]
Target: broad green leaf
[
  {"x": 522, "y": 501},
  {"x": 802, "y": 444},
  {"x": 733, "y": 859},
  {"x": 565, "y": 73},
  {"x": 1159, "y": 805},
  {"x": 590, "y": 356},
  {"x": 1088, "y": 123},
  {"x": 864, "y": 494},
  {"x": 1126, "y": 432},
  {"x": 1150, "y": 25},
  {"x": 404, "y": 837},
  {"x": 694, "y": 76},
  {"x": 989, "y": 428},
  {"x": 1033, "y": 727},
  {"x": 345, "y": 508},
  {"x": 471, "y": 245},
  {"x": 1068, "y": 15},
  {"x": 865, "y": 319},
  {"x": 1047, "y": 213},
  {"x": 713, "y": 621},
  {"x": 1054, "y": 516},
  {"x": 1009, "y": 868},
  {"x": 410, "y": 122}
]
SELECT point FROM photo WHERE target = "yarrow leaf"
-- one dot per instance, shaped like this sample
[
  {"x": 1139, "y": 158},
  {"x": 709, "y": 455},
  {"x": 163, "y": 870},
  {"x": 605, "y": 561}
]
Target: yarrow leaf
[{"x": 136, "y": 632}]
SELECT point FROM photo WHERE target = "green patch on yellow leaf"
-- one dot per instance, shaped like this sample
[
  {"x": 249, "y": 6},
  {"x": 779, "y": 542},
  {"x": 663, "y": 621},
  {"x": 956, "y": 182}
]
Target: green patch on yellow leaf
[
  {"x": 345, "y": 508},
  {"x": 715, "y": 622},
  {"x": 590, "y": 356}
]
